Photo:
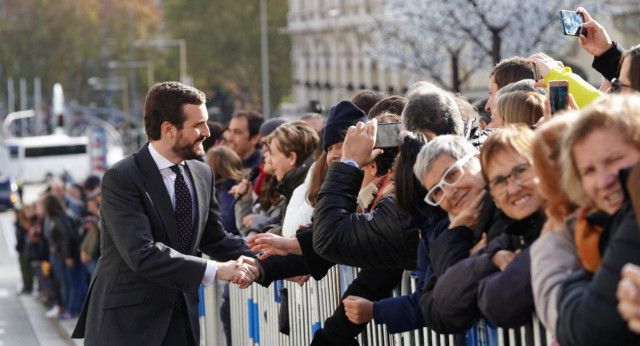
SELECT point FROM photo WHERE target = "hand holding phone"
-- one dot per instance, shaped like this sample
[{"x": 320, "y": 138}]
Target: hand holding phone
[
  {"x": 558, "y": 95},
  {"x": 388, "y": 135},
  {"x": 572, "y": 23}
]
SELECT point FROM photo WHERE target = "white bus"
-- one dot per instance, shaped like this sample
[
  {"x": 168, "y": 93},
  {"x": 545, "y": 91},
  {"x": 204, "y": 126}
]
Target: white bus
[{"x": 36, "y": 159}]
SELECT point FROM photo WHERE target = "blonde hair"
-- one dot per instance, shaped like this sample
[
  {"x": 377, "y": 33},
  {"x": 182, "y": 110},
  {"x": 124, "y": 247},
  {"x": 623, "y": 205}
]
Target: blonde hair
[
  {"x": 225, "y": 163},
  {"x": 521, "y": 107},
  {"x": 516, "y": 137},
  {"x": 619, "y": 112},
  {"x": 548, "y": 166},
  {"x": 297, "y": 137}
]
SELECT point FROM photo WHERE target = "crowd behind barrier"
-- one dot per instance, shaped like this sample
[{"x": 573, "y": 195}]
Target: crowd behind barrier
[
  {"x": 255, "y": 315},
  {"x": 478, "y": 228}
]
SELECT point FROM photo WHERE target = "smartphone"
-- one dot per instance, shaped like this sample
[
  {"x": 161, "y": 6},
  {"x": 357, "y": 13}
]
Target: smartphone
[
  {"x": 388, "y": 135},
  {"x": 558, "y": 95},
  {"x": 571, "y": 23}
]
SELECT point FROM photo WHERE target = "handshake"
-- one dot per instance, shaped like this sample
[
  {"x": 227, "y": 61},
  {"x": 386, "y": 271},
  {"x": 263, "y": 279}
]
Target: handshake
[{"x": 243, "y": 271}]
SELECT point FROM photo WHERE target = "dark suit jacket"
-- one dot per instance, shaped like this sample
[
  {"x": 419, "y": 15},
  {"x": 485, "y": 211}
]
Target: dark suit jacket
[{"x": 131, "y": 295}]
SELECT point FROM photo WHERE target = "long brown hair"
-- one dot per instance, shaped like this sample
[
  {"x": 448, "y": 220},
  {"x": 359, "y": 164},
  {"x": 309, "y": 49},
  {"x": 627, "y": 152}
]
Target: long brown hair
[
  {"x": 547, "y": 165},
  {"x": 225, "y": 163}
]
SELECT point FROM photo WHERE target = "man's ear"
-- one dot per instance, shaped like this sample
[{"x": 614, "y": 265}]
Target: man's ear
[{"x": 167, "y": 130}]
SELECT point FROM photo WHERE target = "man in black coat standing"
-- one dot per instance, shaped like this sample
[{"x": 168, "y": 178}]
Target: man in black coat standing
[{"x": 158, "y": 210}]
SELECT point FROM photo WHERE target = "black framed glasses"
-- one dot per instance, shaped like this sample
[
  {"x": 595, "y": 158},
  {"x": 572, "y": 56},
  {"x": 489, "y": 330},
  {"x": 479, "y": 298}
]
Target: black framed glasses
[
  {"x": 520, "y": 174},
  {"x": 616, "y": 86}
]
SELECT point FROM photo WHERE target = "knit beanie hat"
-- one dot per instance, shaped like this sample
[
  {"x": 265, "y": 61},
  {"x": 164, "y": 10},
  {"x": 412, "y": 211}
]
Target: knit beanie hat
[
  {"x": 341, "y": 116},
  {"x": 269, "y": 126}
]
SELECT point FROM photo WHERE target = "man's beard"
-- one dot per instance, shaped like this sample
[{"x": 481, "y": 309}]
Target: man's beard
[{"x": 188, "y": 151}]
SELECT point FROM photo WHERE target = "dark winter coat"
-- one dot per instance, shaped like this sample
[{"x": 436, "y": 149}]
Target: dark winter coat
[
  {"x": 462, "y": 295},
  {"x": 381, "y": 239},
  {"x": 587, "y": 303}
]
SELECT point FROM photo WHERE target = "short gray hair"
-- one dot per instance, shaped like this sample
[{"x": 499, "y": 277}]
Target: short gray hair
[
  {"x": 454, "y": 146},
  {"x": 522, "y": 85}
]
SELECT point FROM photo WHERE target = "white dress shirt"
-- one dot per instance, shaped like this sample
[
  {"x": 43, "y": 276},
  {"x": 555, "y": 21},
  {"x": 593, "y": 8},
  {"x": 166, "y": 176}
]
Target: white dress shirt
[{"x": 169, "y": 179}]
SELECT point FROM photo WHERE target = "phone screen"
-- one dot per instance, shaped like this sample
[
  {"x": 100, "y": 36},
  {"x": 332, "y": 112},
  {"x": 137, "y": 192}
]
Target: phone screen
[
  {"x": 388, "y": 135},
  {"x": 571, "y": 22},
  {"x": 558, "y": 97}
]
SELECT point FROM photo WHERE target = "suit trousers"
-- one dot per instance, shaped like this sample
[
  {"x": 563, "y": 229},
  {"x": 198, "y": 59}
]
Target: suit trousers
[{"x": 179, "y": 331}]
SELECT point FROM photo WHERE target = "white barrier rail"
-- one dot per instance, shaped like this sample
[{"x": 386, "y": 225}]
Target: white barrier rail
[{"x": 255, "y": 311}]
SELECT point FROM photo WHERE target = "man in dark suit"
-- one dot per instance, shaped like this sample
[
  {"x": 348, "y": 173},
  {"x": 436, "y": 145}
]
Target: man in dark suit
[{"x": 158, "y": 210}]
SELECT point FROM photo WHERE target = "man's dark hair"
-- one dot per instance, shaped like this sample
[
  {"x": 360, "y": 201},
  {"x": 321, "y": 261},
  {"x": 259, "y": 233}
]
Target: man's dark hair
[
  {"x": 410, "y": 193},
  {"x": 164, "y": 103},
  {"x": 392, "y": 104},
  {"x": 511, "y": 70},
  {"x": 215, "y": 130},
  {"x": 431, "y": 108},
  {"x": 365, "y": 99},
  {"x": 254, "y": 120}
]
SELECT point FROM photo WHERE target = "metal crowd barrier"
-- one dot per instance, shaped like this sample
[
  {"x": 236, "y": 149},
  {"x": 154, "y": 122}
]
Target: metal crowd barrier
[{"x": 255, "y": 311}]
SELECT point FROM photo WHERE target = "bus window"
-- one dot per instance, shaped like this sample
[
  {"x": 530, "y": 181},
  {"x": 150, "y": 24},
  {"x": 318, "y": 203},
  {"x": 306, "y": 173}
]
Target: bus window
[{"x": 56, "y": 150}]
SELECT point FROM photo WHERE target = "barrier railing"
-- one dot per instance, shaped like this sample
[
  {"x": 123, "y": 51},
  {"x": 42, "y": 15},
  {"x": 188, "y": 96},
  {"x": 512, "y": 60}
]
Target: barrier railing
[{"x": 255, "y": 312}]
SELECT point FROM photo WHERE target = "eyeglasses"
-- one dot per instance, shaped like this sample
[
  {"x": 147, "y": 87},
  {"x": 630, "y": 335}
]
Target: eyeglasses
[
  {"x": 616, "y": 86},
  {"x": 451, "y": 176},
  {"x": 520, "y": 174}
]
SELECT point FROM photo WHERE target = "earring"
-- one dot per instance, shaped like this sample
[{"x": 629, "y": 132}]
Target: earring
[
  {"x": 290, "y": 163},
  {"x": 373, "y": 174}
]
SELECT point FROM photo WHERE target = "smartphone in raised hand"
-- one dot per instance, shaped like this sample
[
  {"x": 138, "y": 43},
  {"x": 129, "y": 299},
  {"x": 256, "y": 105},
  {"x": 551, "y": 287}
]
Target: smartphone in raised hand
[
  {"x": 558, "y": 95},
  {"x": 572, "y": 23},
  {"x": 388, "y": 135}
]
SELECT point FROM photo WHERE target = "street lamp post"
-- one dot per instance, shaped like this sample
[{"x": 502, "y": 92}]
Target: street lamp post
[
  {"x": 136, "y": 64},
  {"x": 264, "y": 60},
  {"x": 115, "y": 83},
  {"x": 182, "y": 45}
]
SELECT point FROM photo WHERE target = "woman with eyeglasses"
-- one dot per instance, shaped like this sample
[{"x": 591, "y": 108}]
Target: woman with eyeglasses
[
  {"x": 598, "y": 152},
  {"x": 629, "y": 80},
  {"x": 475, "y": 286}
]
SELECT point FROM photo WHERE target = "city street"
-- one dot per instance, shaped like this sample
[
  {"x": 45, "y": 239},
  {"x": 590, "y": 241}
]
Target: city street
[{"x": 22, "y": 319}]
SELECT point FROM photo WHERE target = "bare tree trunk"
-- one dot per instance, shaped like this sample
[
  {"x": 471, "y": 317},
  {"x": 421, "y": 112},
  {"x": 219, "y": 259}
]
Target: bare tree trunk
[
  {"x": 496, "y": 44},
  {"x": 455, "y": 71}
]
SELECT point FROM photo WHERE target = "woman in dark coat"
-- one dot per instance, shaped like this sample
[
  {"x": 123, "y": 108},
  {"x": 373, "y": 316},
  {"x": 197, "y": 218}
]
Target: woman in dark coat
[
  {"x": 597, "y": 174},
  {"x": 468, "y": 288}
]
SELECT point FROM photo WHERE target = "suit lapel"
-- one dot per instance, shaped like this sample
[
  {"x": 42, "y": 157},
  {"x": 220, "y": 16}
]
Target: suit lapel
[
  {"x": 155, "y": 188},
  {"x": 199, "y": 188}
]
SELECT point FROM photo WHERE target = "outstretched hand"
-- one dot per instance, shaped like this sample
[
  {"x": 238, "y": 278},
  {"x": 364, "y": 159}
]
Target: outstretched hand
[
  {"x": 274, "y": 245},
  {"x": 596, "y": 41},
  {"x": 359, "y": 142},
  {"x": 242, "y": 272}
]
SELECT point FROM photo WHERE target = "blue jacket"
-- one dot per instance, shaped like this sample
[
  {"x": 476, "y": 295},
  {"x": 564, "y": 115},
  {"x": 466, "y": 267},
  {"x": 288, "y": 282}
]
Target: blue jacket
[{"x": 401, "y": 314}]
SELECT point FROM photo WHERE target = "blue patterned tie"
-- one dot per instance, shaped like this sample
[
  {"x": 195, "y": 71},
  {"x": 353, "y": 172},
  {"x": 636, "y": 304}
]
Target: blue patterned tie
[
  {"x": 183, "y": 214},
  {"x": 183, "y": 211}
]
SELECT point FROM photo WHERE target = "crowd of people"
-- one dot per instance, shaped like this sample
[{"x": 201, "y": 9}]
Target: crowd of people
[
  {"x": 501, "y": 211},
  {"x": 58, "y": 241}
]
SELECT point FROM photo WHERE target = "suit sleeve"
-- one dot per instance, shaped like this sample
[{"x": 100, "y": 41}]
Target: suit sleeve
[
  {"x": 216, "y": 242},
  {"x": 125, "y": 218}
]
